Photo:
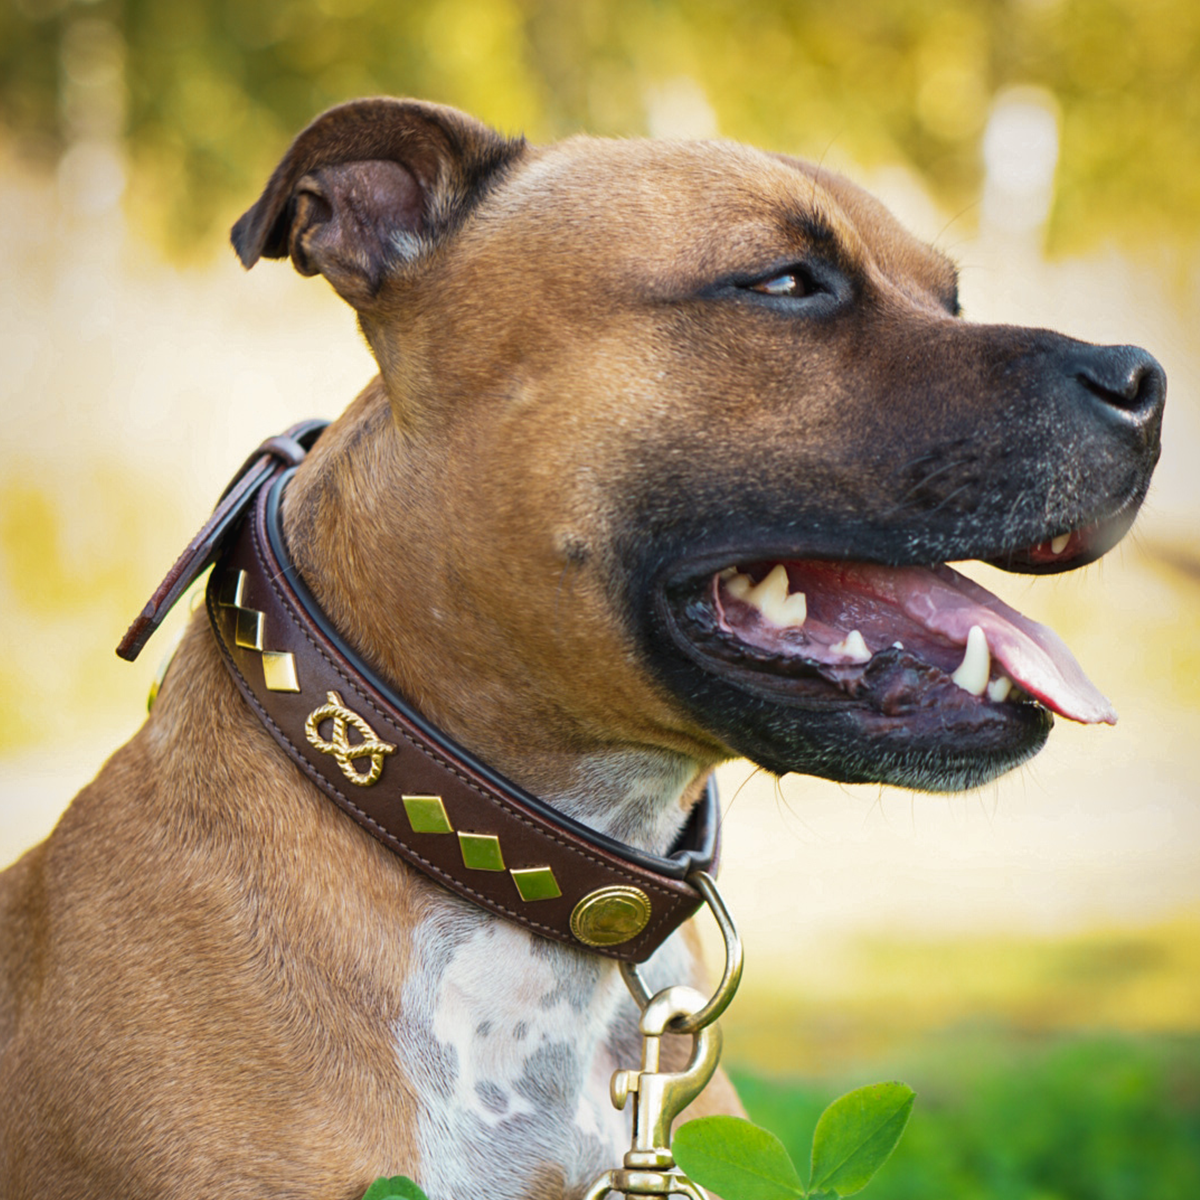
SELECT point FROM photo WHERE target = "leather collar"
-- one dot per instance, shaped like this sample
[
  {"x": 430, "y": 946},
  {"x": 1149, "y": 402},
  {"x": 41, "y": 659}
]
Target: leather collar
[{"x": 417, "y": 791}]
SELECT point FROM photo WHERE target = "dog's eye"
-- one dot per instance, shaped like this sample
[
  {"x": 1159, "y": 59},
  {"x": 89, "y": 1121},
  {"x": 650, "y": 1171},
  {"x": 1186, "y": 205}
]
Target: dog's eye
[{"x": 790, "y": 283}]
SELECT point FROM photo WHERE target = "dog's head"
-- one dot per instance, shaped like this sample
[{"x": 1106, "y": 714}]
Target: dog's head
[{"x": 705, "y": 425}]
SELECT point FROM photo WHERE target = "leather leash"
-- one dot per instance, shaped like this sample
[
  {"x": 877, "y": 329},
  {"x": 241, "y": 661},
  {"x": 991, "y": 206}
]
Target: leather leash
[{"x": 421, "y": 794}]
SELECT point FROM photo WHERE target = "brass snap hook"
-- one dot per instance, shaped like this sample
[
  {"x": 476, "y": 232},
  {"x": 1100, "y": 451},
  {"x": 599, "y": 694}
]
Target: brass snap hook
[{"x": 658, "y": 1098}]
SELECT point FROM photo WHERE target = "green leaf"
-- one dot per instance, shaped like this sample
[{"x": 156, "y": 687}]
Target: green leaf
[
  {"x": 398, "y": 1187},
  {"x": 857, "y": 1134},
  {"x": 736, "y": 1158}
]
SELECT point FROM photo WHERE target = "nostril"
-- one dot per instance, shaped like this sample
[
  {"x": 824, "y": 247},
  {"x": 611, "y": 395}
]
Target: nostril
[{"x": 1124, "y": 377}]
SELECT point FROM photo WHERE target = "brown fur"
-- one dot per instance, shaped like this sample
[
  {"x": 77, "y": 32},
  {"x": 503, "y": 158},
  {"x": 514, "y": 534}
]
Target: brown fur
[{"x": 203, "y": 965}]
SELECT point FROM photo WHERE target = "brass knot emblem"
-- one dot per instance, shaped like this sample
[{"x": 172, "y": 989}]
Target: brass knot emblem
[{"x": 343, "y": 750}]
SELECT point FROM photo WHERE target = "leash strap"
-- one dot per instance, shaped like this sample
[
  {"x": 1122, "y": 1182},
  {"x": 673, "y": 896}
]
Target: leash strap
[{"x": 422, "y": 795}]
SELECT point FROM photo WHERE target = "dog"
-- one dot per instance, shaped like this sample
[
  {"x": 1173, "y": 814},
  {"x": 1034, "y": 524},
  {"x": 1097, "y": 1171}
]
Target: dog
[{"x": 669, "y": 447}]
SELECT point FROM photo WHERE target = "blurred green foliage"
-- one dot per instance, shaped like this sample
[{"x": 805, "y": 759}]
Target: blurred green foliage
[
  {"x": 214, "y": 89},
  {"x": 1006, "y": 1118}
]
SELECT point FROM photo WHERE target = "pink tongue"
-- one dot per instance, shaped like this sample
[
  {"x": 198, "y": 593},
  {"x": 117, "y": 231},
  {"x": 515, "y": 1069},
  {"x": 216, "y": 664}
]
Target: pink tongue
[{"x": 1033, "y": 655}]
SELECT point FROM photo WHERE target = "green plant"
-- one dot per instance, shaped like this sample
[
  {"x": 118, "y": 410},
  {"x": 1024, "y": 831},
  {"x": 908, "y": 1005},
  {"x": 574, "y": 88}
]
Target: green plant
[
  {"x": 854, "y": 1137},
  {"x": 398, "y": 1187}
]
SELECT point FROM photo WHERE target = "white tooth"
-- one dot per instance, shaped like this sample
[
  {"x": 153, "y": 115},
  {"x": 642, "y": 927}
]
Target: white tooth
[
  {"x": 853, "y": 647},
  {"x": 771, "y": 591},
  {"x": 770, "y": 596},
  {"x": 897, "y": 645},
  {"x": 728, "y": 573},
  {"x": 1059, "y": 544},
  {"x": 999, "y": 688},
  {"x": 973, "y": 671},
  {"x": 791, "y": 612},
  {"x": 739, "y": 585},
  {"x": 771, "y": 599}
]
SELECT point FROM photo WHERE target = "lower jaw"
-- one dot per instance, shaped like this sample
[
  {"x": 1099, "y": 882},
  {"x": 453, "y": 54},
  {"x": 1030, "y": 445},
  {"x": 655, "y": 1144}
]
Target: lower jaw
[
  {"x": 932, "y": 771},
  {"x": 936, "y": 752}
]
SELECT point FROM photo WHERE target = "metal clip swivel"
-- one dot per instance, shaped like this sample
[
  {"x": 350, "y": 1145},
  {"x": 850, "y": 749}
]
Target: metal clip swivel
[{"x": 658, "y": 1098}]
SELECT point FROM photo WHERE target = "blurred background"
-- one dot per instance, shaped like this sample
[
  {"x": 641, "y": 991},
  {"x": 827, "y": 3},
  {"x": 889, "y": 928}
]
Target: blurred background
[{"x": 1027, "y": 956}]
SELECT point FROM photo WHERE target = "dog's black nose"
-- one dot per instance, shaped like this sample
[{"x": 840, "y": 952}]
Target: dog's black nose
[{"x": 1125, "y": 378}]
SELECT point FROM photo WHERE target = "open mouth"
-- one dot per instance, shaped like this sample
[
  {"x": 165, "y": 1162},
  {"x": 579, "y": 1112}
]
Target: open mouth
[{"x": 915, "y": 655}]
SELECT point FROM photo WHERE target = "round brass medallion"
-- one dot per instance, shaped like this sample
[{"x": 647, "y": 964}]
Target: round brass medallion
[{"x": 610, "y": 916}]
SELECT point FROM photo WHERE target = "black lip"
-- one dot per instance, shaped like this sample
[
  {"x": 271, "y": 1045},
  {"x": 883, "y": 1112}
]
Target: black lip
[
  {"x": 1109, "y": 530},
  {"x": 886, "y": 548}
]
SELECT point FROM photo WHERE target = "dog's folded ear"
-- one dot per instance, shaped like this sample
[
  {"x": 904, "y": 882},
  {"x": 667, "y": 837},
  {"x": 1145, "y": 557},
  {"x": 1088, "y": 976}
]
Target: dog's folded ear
[{"x": 370, "y": 186}]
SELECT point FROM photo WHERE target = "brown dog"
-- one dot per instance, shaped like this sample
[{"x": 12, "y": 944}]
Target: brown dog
[{"x": 667, "y": 444}]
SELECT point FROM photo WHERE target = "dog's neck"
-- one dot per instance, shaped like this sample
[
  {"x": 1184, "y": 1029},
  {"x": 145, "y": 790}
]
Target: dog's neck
[
  {"x": 637, "y": 796},
  {"x": 404, "y": 622},
  {"x": 505, "y": 1041}
]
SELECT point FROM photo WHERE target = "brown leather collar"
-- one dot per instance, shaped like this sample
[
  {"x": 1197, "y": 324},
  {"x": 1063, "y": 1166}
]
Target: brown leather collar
[{"x": 417, "y": 791}]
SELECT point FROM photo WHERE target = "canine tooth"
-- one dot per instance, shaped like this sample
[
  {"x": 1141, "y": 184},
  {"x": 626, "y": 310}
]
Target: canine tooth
[
  {"x": 728, "y": 573},
  {"x": 999, "y": 688},
  {"x": 973, "y": 671},
  {"x": 1059, "y": 544},
  {"x": 897, "y": 645},
  {"x": 853, "y": 647}
]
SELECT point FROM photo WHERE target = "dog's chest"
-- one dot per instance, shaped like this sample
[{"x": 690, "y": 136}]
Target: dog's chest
[{"x": 507, "y": 1041}]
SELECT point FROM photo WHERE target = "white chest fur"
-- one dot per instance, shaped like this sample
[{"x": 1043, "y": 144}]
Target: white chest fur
[{"x": 510, "y": 1042}]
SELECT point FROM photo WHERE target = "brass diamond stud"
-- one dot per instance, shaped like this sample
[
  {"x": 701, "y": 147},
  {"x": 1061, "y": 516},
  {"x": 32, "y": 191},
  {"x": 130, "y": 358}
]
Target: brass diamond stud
[
  {"x": 536, "y": 883},
  {"x": 481, "y": 851},
  {"x": 427, "y": 814},
  {"x": 232, "y": 586},
  {"x": 279, "y": 671},
  {"x": 279, "y": 667},
  {"x": 248, "y": 632},
  {"x": 610, "y": 916}
]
